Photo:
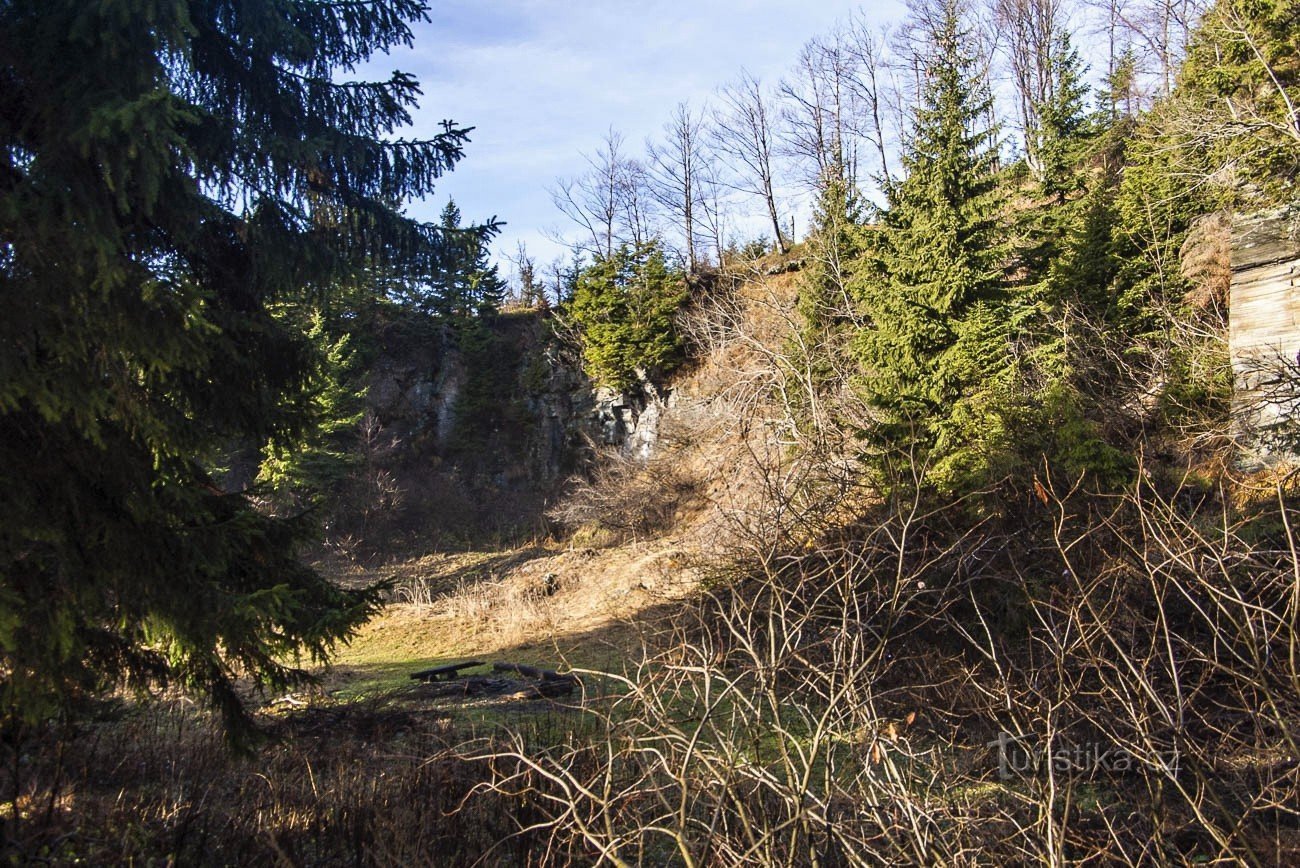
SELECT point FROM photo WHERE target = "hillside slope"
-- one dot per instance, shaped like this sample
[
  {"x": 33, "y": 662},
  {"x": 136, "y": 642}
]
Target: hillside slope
[{"x": 659, "y": 486}]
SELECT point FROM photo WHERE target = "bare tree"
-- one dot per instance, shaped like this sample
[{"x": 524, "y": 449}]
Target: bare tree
[
  {"x": 608, "y": 202},
  {"x": 713, "y": 208},
  {"x": 591, "y": 200},
  {"x": 820, "y": 110},
  {"x": 635, "y": 203},
  {"x": 1109, "y": 24},
  {"x": 744, "y": 130},
  {"x": 1156, "y": 31},
  {"x": 532, "y": 292},
  {"x": 675, "y": 167},
  {"x": 1148, "y": 25},
  {"x": 871, "y": 82},
  {"x": 1030, "y": 30},
  {"x": 560, "y": 276}
]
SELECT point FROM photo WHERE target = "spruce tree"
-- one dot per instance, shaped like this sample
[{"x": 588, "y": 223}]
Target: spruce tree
[
  {"x": 1084, "y": 275},
  {"x": 171, "y": 172},
  {"x": 1120, "y": 88},
  {"x": 835, "y": 251},
  {"x": 834, "y": 248},
  {"x": 1063, "y": 124},
  {"x": 463, "y": 282},
  {"x": 1058, "y": 147},
  {"x": 310, "y": 471},
  {"x": 1238, "y": 104},
  {"x": 1080, "y": 326},
  {"x": 625, "y": 307},
  {"x": 934, "y": 302}
]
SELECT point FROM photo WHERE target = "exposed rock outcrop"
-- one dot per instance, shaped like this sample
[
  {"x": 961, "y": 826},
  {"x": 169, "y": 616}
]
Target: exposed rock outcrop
[
  {"x": 486, "y": 424},
  {"x": 1264, "y": 331}
]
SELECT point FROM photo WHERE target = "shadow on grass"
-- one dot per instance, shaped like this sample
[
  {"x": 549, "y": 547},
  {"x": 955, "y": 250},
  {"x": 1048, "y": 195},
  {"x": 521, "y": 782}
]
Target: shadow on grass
[
  {"x": 429, "y": 574},
  {"x": 616, "y": 648}
]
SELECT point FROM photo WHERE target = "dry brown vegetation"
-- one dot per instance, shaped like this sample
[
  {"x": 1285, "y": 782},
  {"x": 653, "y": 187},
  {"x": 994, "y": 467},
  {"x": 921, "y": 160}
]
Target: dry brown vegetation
[
  {"x": 839, "y": 706},
  {"x": 780, "y": 666}
]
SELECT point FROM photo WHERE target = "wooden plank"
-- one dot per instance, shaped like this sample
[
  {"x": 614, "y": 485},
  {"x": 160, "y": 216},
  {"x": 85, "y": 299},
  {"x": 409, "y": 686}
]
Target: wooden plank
[{"x": 450, "y": 670}]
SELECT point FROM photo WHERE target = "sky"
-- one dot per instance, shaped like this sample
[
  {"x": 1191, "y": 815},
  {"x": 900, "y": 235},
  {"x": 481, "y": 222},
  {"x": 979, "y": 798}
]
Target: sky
[{"x": 543, "y": 81}]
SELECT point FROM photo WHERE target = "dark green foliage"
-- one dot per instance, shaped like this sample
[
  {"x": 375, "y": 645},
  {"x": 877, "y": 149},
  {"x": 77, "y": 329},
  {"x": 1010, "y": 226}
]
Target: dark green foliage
[
  {"x": 462, "y": 282},
  {"x": 1084, "y": 326},
  {"x": 1084, "y": 274},
  {"x": 749, "y": 251},
  {"x": 936, "y": 349},
  {"x": 1119, "y": 95},
  {"x": 1070, "y": 381},
  {"x": 1060, "y": 148},
  {"x": 1158, "y": 197},
  {"x": 1063, "y": 127},
  {"x": 1059, "y": 429},
  {"x": 835, "y": 251},
  {"x": 310, "y": 470},
  {"x": 1225, "y": 140},
  {"x": 489, "y": 415},
  {"x": 1162, "y": 191},
  {"x": 171, "y": 174},
  {"x": 625, "y": 307}
]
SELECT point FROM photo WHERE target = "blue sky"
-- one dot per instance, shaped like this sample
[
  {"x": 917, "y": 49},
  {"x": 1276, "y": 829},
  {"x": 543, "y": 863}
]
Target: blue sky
[{"x": 542, "y": 81}]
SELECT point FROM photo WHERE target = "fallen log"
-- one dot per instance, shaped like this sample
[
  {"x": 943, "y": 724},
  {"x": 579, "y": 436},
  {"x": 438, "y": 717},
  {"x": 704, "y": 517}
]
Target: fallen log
[
  {"x": 438, "y": 673},
  {"x": 546, "y": 689},
  {"x": 505, "y": 688},
  {"x": 474, "y": 685},
  {"x": 532, "y": 672}
]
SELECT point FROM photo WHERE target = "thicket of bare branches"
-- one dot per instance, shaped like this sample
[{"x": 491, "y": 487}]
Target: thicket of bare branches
[
  {"x": 1068, "y": 678},
  {"x": 626, "y": 496},
  {"x": 1117, "y": 680}
]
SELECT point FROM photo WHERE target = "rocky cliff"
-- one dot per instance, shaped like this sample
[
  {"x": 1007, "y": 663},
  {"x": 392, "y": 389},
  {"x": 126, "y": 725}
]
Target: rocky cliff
[{"x": 480, "y": 425}]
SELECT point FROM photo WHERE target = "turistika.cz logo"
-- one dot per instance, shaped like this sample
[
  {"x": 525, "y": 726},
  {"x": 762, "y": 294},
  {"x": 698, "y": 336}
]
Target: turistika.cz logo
[{"x": 1021, "y": 756}]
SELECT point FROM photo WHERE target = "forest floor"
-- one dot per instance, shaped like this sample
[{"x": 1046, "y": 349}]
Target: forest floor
[{"x": 547, "y": 605}]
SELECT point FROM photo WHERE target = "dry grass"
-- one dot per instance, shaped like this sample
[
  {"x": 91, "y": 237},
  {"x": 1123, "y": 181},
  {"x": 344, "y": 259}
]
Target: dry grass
[
  {"x": 538, "y": 604},
  {"x": 769, "y": 681},
  {"x": 370, "y": 783}
]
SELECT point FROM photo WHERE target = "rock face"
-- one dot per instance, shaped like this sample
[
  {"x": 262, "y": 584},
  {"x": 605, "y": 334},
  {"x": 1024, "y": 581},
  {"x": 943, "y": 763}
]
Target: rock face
[
  {"x": 491, "y": 422},
  {"x": 414, "y": 382},
  {"x": 629, "y": 421},
  {"x": 1264, "y": 330},
  {"x": 506, "y": 394}
]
